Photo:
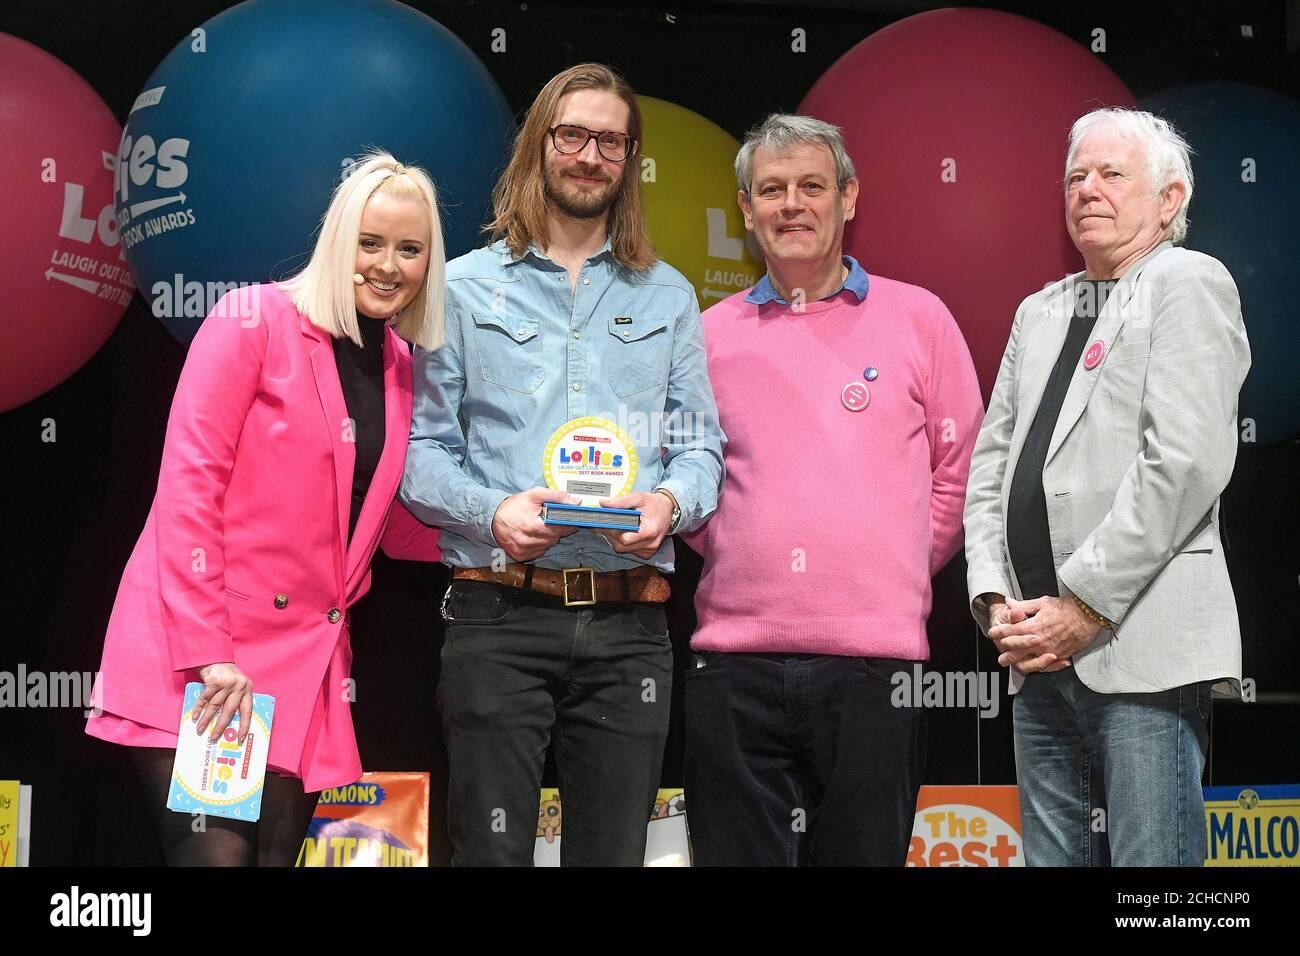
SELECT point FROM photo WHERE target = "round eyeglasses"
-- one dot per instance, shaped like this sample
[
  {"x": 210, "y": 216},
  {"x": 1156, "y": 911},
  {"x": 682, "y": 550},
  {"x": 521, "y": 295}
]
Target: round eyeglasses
[{"x": 615, "y": 147}]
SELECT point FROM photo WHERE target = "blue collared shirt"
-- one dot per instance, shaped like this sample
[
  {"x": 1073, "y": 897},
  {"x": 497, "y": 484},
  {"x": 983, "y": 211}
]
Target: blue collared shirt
[
  {"x": 856, "y": 282},
  {"x": 524, "y": 354}
]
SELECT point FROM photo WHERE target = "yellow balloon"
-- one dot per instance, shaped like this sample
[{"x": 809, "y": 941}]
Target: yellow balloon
[{"x": 688, "y": 189}]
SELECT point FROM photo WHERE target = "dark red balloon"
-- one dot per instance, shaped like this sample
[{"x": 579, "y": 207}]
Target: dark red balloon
[
  {"x": 66, "y": 284},
  {"x": 957, "y": 121}
]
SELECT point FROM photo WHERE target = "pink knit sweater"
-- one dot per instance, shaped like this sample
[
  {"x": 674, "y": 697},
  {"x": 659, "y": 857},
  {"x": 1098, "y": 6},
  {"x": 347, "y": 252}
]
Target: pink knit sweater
[{"x": 832, "y": 521}]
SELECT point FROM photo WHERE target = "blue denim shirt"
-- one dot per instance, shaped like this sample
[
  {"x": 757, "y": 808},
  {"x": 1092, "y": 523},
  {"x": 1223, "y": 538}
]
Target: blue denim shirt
[
  {"x": 856, "y": 282},
  {"x": 524, "y": 354}
]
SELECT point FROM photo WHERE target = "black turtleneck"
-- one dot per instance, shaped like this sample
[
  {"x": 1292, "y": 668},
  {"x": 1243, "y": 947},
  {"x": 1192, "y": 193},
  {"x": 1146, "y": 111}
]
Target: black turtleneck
[
  {"x": 361, "y": 373},
  {"x": 1029, "y": 539}
]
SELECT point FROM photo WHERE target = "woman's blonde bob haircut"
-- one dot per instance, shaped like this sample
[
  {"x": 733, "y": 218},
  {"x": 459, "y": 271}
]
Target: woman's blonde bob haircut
[
  {"x": 519, "y": 199},
  {"x": 324, "y": 292}
]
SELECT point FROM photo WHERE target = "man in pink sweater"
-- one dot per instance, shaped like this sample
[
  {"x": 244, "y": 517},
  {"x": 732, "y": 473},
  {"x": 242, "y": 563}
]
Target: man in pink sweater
[{"x": 851, "y": 406}]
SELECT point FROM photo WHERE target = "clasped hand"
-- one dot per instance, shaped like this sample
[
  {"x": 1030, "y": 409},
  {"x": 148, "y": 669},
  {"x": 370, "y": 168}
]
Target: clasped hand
[{"x": 1040, "y": 634}]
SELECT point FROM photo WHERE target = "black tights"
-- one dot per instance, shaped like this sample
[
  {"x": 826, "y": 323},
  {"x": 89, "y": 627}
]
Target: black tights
[{"x": 274, "y": 840}]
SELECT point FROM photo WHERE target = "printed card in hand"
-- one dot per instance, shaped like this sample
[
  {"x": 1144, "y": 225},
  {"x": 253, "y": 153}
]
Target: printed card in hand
[{"x": 222, "y": 777}]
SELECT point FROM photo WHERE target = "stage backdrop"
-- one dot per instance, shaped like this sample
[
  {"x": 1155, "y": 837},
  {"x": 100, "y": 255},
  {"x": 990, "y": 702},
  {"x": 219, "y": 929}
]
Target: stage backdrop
[{"x": 82, "y": 457}]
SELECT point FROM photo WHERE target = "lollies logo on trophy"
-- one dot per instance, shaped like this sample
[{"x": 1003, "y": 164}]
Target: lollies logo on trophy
[{"x": 591, "y": 459}]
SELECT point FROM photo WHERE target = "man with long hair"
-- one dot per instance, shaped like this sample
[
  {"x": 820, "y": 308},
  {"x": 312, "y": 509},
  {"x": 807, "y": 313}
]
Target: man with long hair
[{"x": 567, "y": 316}]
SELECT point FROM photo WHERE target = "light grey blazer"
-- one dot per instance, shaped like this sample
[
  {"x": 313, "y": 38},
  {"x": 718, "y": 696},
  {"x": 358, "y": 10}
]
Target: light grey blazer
[{"x": 1144, "y": 445}]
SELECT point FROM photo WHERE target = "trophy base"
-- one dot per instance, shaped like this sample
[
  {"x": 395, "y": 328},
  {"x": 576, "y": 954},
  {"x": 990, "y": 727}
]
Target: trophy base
[{"x": 580, "y": 516}]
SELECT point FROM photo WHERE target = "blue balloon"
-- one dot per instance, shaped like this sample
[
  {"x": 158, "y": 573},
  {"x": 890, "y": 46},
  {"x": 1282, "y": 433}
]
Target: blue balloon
[
  {"x": 231, "y": 151},
  {"x": 1243, "y": 212}
]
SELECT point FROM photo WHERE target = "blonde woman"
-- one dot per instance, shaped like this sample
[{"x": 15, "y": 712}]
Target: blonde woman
[{"x": 284, "y": 449}]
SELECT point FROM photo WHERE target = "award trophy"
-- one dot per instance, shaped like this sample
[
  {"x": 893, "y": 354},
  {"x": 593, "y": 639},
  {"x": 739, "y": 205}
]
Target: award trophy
[{"x": 591, "y": 459}]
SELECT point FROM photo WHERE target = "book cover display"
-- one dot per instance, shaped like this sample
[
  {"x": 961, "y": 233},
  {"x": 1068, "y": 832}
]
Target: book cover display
[{"x": 222, "y": 777}]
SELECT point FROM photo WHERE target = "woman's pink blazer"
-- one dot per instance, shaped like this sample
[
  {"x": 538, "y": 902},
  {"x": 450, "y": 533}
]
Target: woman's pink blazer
[{"x": 242, "y": 557}]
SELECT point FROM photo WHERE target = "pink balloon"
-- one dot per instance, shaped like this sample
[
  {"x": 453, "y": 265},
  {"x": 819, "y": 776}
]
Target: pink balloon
[
  {"x": 66, "y": 283},
  {"x": 957, "y": 121}
]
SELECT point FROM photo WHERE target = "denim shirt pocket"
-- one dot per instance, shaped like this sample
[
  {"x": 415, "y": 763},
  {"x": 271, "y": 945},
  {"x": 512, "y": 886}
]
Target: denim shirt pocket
[
  {"x": 638, "y": 354},
  {"x": 509, "y": 351}
]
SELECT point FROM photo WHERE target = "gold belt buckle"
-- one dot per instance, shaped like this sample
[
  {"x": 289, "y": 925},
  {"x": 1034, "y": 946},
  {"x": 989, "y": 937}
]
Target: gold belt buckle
[{"x": 591, "y": 578}]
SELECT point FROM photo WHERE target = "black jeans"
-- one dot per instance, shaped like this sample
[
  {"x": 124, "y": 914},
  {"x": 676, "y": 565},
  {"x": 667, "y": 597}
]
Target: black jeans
[
  {"x": 518, "y": 666},
  {"x": 799, "y": 760}
]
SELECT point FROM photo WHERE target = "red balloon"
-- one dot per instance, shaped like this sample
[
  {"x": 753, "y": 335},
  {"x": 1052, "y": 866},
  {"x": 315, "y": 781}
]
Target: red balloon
[
  {"x": 66, "y": 283},
  {"x": 957, "y": 122}
]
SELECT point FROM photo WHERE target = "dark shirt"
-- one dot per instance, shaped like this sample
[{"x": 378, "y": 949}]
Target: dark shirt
[
  {"x": 361, "y": 373},
  {"x": 1029, "y": 542}
]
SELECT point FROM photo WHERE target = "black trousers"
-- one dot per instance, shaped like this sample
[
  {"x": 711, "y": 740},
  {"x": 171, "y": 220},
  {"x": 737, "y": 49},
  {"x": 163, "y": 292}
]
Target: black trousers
[
  {"x": 799, "y": 759},
  {"x": 517, "y": 667}
]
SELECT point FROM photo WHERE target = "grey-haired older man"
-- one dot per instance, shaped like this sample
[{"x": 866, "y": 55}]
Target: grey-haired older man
[{"x": 1092, "y": 513}]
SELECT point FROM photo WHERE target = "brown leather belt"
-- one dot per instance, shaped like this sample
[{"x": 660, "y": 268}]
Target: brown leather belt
[{"x": 578, "y": 587}]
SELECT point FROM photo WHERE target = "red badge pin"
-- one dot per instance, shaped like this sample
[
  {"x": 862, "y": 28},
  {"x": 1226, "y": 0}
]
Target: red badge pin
[
  {"x": 1096, "y": 352},
  {"x": 855, "y": 396}
]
